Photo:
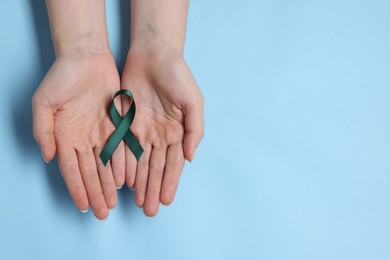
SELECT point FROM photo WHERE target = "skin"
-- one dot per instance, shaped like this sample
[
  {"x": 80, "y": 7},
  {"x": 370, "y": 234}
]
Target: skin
[
  {"x": 171, "y": 107},
  {"x": 169, "y": 120},
  {"x": 70, "y": 105}
]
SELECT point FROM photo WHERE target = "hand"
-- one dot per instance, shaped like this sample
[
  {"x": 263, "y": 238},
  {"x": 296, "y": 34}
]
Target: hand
[
  {"x": 71, "y": 119},
  {"x": 168, "y": 125}
]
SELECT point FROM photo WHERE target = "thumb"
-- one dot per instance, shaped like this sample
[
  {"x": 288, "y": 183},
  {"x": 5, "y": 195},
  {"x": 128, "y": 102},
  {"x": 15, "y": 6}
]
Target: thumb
[
  {"x": 194, "y": 128},
  {"x": 43, "y": 126}
]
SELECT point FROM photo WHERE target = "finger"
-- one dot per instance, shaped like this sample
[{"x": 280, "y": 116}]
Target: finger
[
  {"x": 106, "y": 180},
  {"x": 91, "y": 181},
  {"x": 67, "y": 160},
  {"x": 142, "y": 176},
  {"x": 118, "y": 165},
  {"x": 194, "y": 128},
  {"x": 173, "y": 168},
  {"x": 156, "y": 172},
  {"x": 43, "y": 127},
  {"x": 131, "y": 168}
]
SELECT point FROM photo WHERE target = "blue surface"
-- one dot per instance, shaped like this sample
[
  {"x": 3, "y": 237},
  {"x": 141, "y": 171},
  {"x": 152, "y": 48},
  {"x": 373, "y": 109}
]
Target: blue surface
[{"x": 303, "y": 86}]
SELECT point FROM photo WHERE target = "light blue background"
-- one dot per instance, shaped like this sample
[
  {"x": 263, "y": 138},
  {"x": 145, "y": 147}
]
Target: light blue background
[{"x": 295, "y": 160}]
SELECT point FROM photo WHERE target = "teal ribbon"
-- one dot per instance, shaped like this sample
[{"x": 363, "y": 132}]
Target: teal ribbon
[{"x": 122, "y": 130}]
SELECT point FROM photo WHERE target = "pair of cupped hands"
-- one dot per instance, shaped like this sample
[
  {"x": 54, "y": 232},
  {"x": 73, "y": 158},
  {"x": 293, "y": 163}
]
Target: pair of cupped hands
[{"x": 71, "y": 120}]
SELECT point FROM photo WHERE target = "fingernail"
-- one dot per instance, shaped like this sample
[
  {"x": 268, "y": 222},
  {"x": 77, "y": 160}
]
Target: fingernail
[
  {"x": 46, "y": 161},
  {"x": 119, "y": 187},
  {"x": 132, "y": 189},
  {"x": 193, "y": 156},
  {"x": 84, "y": 211}
]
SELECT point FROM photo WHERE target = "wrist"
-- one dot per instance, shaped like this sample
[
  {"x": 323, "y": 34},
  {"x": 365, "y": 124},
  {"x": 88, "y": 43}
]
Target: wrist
[
  {"x": 147, "y": 63},
  {"x": 78, "y": 26},
  {"x": 151, "y": 38},
  {"x": 87, "y": 57},
  {"x": 154, "y": 56},
  {"x": 154, "y": 47},
  {"x": 81, "y": 46},
  {"x": 158, "y": 26}
]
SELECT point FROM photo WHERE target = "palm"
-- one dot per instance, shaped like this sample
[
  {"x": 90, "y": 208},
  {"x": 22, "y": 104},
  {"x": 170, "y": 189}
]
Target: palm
[
  {"x": 78, "y": 91},
  {"x": 162, "y": 92},
  {"x": 159, "y": 120},
  {"x": 81, "y": 103}
]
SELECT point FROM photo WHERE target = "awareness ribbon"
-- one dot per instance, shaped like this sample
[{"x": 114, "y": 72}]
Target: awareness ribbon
[{"x": 122, "y": 130}]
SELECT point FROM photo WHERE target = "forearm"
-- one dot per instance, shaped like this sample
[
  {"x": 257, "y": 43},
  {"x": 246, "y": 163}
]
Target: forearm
[
  {"x": 158, "y": 26},
  {"x": 78, "y": 25}
]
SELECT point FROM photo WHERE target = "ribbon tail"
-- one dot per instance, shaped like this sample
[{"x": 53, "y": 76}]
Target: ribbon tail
[
  {"x": 114, "y": 141},
  {"x": 133, "y": 144}
]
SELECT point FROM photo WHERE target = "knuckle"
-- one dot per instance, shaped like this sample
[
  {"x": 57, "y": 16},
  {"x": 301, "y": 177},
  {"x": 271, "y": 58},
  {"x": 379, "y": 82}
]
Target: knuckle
[
  {"x": 131, "y": 167},
  {"x": 140, "y": 187},
  {"x": 96, "y": 196},
  {"x": 154, "y": 192},
  {"x": 108, "y": 183},
  {"x": 174, "y": 160},
  {"x": 172, "y": 184},
  {"x": 118, "y": 166},
  {"x": 157, "y": 166},
  {"x": 100, "y": 163},
  {"x": 88, "y": 171},
  {"x": 70, "y": 168},
  {"x": 143, "y": 161}
]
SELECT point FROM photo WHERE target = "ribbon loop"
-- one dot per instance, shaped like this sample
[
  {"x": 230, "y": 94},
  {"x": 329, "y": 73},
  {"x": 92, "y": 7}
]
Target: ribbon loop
[{"x": 122, "y": 130}]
